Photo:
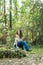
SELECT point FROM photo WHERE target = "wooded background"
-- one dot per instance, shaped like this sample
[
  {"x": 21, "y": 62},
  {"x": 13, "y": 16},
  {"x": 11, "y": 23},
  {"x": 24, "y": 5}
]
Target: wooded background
[{"x": 26, "y": 15}]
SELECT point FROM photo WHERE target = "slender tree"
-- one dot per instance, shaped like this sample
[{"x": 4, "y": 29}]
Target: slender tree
[
  {"x": 4, "y": 12},
  {"x": 10, "y": 14}
]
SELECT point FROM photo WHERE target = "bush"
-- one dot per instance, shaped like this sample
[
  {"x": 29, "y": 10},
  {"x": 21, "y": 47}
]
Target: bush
[
  {"x": 3, "y": 38},
  {"x": 8, "y": 53}
]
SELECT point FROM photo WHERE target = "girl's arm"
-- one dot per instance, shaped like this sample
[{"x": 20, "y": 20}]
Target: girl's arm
[{"x": 16, "y": 41}]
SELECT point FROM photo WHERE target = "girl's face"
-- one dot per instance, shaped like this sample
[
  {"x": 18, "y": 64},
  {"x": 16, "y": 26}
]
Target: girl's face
[{"x": 18, "y": 32}]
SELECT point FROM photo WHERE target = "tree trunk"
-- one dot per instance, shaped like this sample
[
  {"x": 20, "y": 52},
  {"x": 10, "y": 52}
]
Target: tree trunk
[
  {"x": 4, "y": 13},
  {"x": 10, "y": 14}
]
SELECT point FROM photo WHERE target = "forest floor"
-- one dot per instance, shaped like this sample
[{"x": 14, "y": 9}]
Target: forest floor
[{"x": 34, "y": 57}]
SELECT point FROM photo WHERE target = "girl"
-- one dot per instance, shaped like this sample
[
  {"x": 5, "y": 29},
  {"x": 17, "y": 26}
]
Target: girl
[{"x": 20, "y": 43}]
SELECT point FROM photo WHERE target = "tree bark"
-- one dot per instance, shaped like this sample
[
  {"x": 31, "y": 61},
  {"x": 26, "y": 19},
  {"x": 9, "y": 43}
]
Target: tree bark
[
  {"x": 10, "y": 14},
  {"x": 5, "y": 13}
]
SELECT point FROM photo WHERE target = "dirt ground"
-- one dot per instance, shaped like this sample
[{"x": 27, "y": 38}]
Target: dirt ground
[{"x": 32, "y": 60}]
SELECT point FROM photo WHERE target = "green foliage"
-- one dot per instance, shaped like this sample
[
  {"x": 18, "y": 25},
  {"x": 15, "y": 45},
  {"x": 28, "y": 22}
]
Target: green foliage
[
  {"x": 26, "y": 16},
  {"x": 11, "y": 53}
]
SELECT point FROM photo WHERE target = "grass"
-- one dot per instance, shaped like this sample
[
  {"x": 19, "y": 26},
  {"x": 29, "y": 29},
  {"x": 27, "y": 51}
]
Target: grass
[{"x": 36, "y": 50}]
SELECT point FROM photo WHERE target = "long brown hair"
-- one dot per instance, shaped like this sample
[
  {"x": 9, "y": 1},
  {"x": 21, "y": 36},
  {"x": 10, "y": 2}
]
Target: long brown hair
[{"x": 21, "y": 35}]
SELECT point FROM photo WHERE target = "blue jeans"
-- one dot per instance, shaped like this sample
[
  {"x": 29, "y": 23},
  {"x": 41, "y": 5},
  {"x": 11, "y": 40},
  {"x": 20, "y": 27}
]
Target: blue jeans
[{"x": 22, "y": 45}]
